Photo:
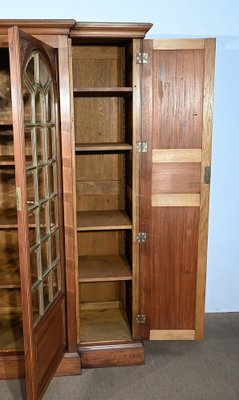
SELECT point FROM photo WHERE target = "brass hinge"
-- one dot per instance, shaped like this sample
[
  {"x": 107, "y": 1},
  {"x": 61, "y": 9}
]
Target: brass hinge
[
  {"x": 141, "y": 319},
  {"x": 19, "y": 198},
  {"x": 141, "y": 237},
  {"x": 207, "y": 175},
  {"x": 142, "y": 58},
  {"x": 141, "y": 147}
]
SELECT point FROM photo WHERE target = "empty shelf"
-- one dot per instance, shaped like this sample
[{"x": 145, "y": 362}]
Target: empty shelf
[
  {"x": 104, "y": 325},
  {"x": 11, "y": 336},
  {"x": 7, "y": 160},
  {"x": 8, "y": 219},
  {"x": 96, "y": 147},
  {"x": 103, "y": 220},
  {"x": 103, "y": 92},
  {"x": 104, "y": 268}
]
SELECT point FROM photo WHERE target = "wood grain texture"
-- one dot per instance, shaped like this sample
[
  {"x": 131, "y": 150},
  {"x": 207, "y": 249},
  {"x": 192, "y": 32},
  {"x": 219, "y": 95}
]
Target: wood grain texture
[
  {"x": 176, "y": 155},
  {"x": 177, "y": 98},
  {"x": 176, "y": 178},
  {"x": 175, "y": 200},
  {"x": 69, "y": 365},
  {"x": 102, "y": 220},
  {"x": 112, "y": 355},
  {"x": 69, "y": 194},
  {"x": 110, "y": 30},
  {"x": 178, "y": 44},
  {"x": 104, "y": 268},
  {"x": 209, "y": 62},
  {"x": 12, "y": 366},
  {"x": 98, "y": 147},
  {"x": 104, "y": 325},
  {"x": 180, "y": 334}
]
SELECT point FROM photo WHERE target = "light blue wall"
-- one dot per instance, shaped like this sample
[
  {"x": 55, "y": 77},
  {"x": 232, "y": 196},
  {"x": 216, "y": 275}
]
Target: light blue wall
[{"x": 187, "y": 18}]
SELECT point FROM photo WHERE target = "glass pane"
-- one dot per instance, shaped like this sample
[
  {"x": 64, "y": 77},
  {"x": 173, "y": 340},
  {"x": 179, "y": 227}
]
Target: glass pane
[
  {"x": 36, "y": 304},
  {"x": 56, "y": 280},
  {"x": 42, "y": 183},
  {"x": 53, "y": 212},
  {"x": 50, "y": 117},
  {"x": 29, "y": 147},
  {"x": 27, "y": 106},
  {"x": 43, "y": 72},
  {"x": 43, "y": 211},
  {"x": 39, "y": 107},
  {"x": 51, "y": 143},
  {"x": 30, "y": 70},
  {"x": 40, "y": 144},
  {"x": 55, "y": 250},
  {"x": 30, "y": 187},
  {"x": 45, "y": 257},
  {"x": 34, "y": 265},
  {"x": 46, "y": 291},
  {"x": 32, "y": 223},
  {"x": 52, "y": 178}
]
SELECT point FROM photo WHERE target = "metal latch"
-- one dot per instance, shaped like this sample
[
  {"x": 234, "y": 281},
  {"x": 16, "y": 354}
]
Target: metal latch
[
  {"x": 142, "y": 58},
  {"x": 19, "y": 198},
  {"x": 207, "y": 175},
  {"x": 141, "y": 319},
  {"x": 141, "y": 147},
  {"x": 141, "y": 237}
]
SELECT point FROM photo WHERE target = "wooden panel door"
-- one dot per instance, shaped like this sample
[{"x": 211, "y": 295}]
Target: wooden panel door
[
  {"x": 33, "y": 67},
  {"x": 177, "y": 123}
]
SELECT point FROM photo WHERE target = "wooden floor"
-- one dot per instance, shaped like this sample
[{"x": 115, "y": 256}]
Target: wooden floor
[
  {"x": 104, "y": 325},
  {"x": 11, "y": 336}
]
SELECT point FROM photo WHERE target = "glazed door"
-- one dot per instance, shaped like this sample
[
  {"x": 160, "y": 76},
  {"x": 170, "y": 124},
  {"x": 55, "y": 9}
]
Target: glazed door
[
  {"x": 177, "y": 116},
  {"x": 39, "y": 203}
]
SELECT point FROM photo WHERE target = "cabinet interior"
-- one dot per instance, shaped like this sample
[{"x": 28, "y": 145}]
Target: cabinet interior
[
  {"x": 10, "y": 302},
  {"x": 102, "y": 87}
]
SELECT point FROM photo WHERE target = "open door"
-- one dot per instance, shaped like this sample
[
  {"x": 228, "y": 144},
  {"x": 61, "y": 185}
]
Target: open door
[
  {"x": 174, "y": 192},
  {"x": 34, "y": 90}
]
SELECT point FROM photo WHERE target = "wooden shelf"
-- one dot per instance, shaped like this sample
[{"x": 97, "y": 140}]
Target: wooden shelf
[
  {"x": 103, "y": 92},
  {"x": 11, "y": 336},
  {"x": 9, "y": 272},
  {"x": 96, "y": 147},
  {"x": 8, "y": 219},
  {"x": 5, "y": 123},
  {"x": 104, "y": 325},
  {"x": 103, "y": 220},
  {"x": 7, "y": 161},
  {"x": 104, "y": 268}
]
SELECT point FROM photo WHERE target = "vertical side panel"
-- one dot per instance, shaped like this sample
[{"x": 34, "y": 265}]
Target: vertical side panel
[
  {"x": 68, "y": 163},
  {"x": 210, "y": 47}
]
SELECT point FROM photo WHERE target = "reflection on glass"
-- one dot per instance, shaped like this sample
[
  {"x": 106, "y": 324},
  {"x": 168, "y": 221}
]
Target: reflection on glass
[
  {"x": 56, "y": 280},
  {"x": 42, "y": 183},
  {"x": 51, "y": 178},
  {"x": 43, "y": 212},
  {"x": 51, "y": 143},
  {"x": 40, "y": 144},
  {"x": 29, "y": 147},
  {"x": 32, "y": 223},
  {"x": 39, "y": 107},
  {"x": 54, "y": 246},
  {"x": 50, "y": 104},
  {"x": 30, "y": 70},
  {"x": 34, "y": 265},
  {"x": 45, "y": 257},
  {"x": 53, "y": 212},
  {"x": 43, "y": 72},
  {"x": 36, "y": 304},
  {"x": 30, "y": 181},
  {"x": 27, "y": 106},
  {"x": 46, "y": 291}
]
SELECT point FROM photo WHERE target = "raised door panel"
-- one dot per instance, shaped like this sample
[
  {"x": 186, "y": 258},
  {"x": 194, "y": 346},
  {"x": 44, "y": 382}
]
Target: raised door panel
[
  {"x": 177, "y": 110},
  {"x": 33, "y": 68}
]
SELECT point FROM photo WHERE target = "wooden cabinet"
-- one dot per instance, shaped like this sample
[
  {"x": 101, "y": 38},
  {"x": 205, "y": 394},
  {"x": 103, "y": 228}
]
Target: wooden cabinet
[{"x": 104, "y": 163}]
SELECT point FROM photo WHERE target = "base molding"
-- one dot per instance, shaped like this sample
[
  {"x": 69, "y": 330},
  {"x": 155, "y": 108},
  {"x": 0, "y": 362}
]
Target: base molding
[
  {"x": 69, "y": 365},
  {"x": 13, "y": 366},
  {"x": 168, "y": 334},
  {"x": 112, "y": 355}
]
